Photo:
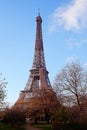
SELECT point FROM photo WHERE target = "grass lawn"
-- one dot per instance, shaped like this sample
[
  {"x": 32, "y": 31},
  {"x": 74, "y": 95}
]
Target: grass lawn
[
  {"x": 8, "y": 127},
  {"x": 5, "y": 127},
  {"x": 44, "y": 126}
]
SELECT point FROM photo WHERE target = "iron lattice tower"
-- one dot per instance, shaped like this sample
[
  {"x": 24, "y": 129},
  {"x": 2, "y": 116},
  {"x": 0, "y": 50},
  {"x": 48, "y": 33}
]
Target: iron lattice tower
[{"x": 38, "y": 78}]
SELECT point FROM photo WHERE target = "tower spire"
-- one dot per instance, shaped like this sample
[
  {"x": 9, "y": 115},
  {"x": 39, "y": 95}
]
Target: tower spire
[{"x": 38, "y": 12}]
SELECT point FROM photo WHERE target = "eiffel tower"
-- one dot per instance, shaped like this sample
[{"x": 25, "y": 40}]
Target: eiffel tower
[{"x": 38, "y": 78}]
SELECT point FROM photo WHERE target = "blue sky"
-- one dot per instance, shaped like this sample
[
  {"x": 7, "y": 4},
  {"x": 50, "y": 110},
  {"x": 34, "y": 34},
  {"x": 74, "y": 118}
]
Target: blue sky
[{"x": 64, "y": 36}]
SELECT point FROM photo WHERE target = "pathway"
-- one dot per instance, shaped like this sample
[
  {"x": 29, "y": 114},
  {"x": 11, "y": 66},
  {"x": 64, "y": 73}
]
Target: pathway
[{"x": 29, "y": 127}]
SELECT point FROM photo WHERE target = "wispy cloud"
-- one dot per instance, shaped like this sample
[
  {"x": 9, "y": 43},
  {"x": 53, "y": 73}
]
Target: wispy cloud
[
  {"x": 72, "y": 42},
  {"x": 72, "y": 16},
  {"x": 72, "y": 59}
]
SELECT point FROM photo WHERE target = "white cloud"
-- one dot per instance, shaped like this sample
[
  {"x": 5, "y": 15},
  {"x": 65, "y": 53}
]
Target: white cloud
[
  {"x": 72, "y": 59},
  {"x": 71, "y": 16},
  {"x": 75, "y": 59},
  {"x": 73, "y": 43}
]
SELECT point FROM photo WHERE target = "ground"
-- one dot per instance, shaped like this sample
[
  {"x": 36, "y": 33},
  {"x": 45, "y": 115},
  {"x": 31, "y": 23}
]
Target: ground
[{"x": 29, "y": 127}]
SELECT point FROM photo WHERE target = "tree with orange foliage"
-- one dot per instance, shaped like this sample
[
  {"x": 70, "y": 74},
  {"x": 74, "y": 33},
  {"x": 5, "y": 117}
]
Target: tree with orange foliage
[{"x": 44, "y": 106}]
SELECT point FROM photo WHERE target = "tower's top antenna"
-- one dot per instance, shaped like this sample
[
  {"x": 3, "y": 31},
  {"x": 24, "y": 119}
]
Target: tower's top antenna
[{"x": 38, "y": 12}]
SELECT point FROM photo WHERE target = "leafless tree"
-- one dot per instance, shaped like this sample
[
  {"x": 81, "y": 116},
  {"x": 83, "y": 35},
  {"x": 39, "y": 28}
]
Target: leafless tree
[
  {"x": 70, "y": 84},
  {"x": 2, "y": 90}
]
